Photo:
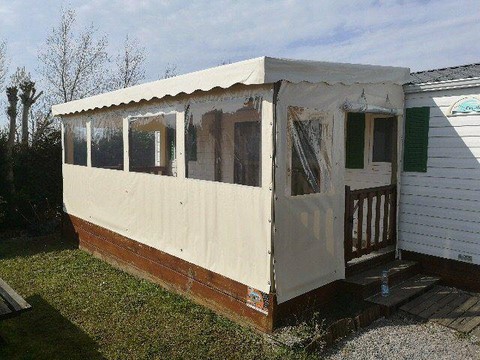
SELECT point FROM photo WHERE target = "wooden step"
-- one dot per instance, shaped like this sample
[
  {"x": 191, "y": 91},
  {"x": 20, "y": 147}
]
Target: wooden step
[
  {"x": 366, "y": 262},
  {"x": 368, "y": 283},
  {"x": 404, "y": 292}
]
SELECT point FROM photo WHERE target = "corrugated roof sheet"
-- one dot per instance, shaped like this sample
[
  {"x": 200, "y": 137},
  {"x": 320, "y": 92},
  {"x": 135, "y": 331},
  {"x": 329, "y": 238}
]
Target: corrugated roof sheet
[{"x": 445, "y": 74}]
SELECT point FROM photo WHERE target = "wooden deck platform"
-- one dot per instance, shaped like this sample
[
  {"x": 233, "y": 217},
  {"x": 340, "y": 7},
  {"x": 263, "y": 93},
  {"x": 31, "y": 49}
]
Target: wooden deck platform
[
  {"x": 457, "y": 309},
  {"x": 11, "y": 303}
]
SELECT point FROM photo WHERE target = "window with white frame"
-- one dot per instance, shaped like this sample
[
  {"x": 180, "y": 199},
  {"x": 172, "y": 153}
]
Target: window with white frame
[
  {"x": 152, "y": 144},
  {"x": 382, "y": 140}
]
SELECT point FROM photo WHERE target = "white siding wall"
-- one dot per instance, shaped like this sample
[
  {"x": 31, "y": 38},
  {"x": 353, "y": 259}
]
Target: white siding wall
[{"x": 439, "y": 210}]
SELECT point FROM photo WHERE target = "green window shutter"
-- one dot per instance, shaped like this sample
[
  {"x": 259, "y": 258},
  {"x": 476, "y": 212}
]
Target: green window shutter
[
  {"x": 415, "y": 153},
  {"x": 355, "y": 144}
]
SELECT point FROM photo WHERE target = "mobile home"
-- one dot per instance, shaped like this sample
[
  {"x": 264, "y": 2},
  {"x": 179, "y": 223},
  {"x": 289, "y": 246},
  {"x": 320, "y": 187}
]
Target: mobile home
[{"x": 439, "y": 213}]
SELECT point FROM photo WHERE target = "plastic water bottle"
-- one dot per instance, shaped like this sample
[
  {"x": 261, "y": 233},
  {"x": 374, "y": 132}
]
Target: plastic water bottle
[{"x": 385, "y": 288}]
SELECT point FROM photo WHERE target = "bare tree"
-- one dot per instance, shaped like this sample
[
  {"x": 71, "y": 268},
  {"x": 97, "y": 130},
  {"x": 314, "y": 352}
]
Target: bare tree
[
  {"x": 130, "y": 65},
  {"x": 19, "y": 76},
  {"x": 21, "y": 79},
  {"x": 27, "y": 98},
  {"x": 3, "y": 64},
  {"x": 73, "y": 63},
  {"x": 12, "y": 96},
  {"x": 42, "y": 124},
  {"x": 3, "y": 70},
  {"x": 170, "y": 71},
  {"x": 225, "y": 62}
]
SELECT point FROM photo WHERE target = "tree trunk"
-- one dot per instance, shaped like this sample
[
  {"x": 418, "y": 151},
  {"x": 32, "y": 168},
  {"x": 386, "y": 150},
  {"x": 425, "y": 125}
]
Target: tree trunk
[
  {"x": 12, "y": 115},
  {"x": 28, "y": 98},
  {"x": 25, "y": 112}
]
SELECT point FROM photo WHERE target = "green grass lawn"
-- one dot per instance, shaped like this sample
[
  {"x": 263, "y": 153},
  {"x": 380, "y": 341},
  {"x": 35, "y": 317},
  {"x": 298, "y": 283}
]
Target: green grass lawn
[{"x": 83, "y": 308}]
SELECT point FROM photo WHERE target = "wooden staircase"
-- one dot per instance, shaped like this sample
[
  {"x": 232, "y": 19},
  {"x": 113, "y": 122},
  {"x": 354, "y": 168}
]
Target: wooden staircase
[{"x": 404, "y": 279}]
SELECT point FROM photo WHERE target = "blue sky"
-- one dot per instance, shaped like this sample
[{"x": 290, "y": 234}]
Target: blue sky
[{"x": 199, "y": 34}]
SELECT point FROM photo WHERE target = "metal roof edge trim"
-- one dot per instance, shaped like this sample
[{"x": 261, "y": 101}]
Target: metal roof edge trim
[{"x": 441, "y": 85}]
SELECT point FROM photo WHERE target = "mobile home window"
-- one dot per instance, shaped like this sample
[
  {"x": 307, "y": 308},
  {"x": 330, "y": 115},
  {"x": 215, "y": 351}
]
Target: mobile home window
[
  {"x": 107, "y": 143},
  {"x": 310, "y": 140},
  {"x": 382, "y": 140},
  {"x": 152, "y": 144},
  {"x": 75, "y": 142},
  {"x": 355, "y": 141},
  {"x": 223, "y": 141}
]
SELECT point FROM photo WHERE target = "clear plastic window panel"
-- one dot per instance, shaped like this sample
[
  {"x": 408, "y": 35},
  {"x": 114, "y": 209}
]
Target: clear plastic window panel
[
  {"x": 75, "y": 141},
  {"x": 152, "y": 146},
  {"x": 107, "y": 142},
  {"x": 310, "y": 143},
  {"x": 223, "y": 141},
  {"x": 382, "y": 140}
]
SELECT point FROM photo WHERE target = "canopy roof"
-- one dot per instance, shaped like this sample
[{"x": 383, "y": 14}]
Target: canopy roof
[{"x": 263, "y": 70}]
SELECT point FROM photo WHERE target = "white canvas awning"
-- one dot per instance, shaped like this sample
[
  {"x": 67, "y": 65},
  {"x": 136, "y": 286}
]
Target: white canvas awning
[{"x": 263, "y": 70}]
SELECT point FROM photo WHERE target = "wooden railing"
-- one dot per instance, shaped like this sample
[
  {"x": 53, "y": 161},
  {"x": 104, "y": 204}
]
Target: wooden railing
[{"x": 370, "y": 219}]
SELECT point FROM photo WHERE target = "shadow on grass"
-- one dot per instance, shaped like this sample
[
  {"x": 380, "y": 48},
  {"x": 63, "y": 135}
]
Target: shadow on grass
[
  {"x": 43, "y": 333},
  {"x": 23, "y": 246}
]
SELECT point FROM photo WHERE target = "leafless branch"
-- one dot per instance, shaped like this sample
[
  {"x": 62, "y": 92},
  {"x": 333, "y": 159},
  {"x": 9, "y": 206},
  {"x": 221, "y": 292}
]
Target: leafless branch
[
  {"x": 170, "y": 71},
  {"x": 73, "y": 62},
  {"x": 3, "y": 64},
  {"x": 130, "y": 65}
]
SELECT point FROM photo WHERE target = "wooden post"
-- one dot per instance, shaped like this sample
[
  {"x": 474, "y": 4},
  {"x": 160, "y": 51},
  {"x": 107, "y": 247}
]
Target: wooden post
[
  {"x": 348, "y": 226},
  {"x": 359, "y": 224},
  {"x": 378, "y": 197},
  {"x": 393, "y": 216},
  {"x": 369, "y": 220},
  {"x": 386, "y": 205}
]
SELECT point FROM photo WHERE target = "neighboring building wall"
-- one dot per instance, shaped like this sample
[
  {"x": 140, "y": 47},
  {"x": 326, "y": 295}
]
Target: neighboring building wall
[{"x": 440, "y": 208}]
